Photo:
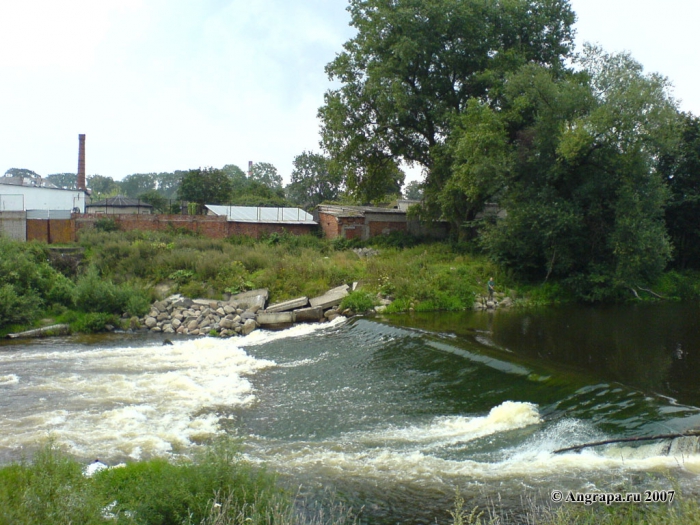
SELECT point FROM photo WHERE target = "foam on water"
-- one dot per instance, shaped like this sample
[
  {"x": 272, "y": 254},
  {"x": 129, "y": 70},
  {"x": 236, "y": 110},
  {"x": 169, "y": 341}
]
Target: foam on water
[
  {"x": 10, "y": 379},
  {"x": 418, "y": 459},
  {"x": 444, "y": 431},
  {"x": 259, "y": 337},
  {"x": 135, "y": 401}
]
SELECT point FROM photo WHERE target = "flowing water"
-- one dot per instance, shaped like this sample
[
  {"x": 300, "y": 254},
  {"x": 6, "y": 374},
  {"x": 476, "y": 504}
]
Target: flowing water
[{"x": 394, "y": 414}]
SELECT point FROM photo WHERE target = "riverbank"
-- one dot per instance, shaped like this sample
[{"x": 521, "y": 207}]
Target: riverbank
[
  {"x": 111, "y": 277},
  {"x": 218, "y": 487}
]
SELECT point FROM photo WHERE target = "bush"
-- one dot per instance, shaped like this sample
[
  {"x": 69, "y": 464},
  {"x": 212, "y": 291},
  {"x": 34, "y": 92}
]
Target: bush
[
  {"x": 96, "y": 294},
  {"x": 359, "y": 301},
  {"x": 92, "y": 323},
  {"x": 105, "y": 224}
]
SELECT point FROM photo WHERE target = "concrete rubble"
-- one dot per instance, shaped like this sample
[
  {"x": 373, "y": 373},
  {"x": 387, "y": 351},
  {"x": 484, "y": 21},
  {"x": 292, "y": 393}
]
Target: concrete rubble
[{"x": 239, "y": 315}]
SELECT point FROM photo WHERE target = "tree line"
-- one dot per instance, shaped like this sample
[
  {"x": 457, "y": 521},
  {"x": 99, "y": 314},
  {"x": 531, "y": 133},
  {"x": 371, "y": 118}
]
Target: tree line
[{"x": 594, "y": 167}]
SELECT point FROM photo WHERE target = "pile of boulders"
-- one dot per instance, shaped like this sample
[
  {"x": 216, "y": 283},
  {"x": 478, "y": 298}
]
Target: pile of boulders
[
  {"x": 500, "y": 300},
  {"x": 239, "y": 315}
]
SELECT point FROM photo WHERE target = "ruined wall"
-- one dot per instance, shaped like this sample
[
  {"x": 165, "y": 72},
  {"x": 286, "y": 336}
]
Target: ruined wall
[
  {"x": 13, "y": 224},
  {"x": 329, "y": 225}
]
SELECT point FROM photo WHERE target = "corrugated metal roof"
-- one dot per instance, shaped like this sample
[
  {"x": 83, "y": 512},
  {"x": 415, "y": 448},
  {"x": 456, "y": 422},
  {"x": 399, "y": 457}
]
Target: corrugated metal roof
[
  {"x": 120, "y": 201},
  {"x": 256, "y": 214}
]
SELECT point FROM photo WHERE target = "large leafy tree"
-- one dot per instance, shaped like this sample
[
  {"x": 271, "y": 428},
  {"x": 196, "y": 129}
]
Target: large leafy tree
[
  {"x": 575, "y": 162},
  {"x": 138, "y": 183},
  {"x": 102, "y": 186},
  {"x": 681, "y": 169},
  {"x": 205, "y": 186},
  {"x": 63, "y": 180},
  {"x": 415, "y": 64},
  {"x": 313, "y": 180},
  {"x": 265, "y": 173}
]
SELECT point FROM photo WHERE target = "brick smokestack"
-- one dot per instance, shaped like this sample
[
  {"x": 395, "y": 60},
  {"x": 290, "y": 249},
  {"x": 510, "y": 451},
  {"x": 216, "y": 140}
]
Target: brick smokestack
[
  {"x": 81, "y": 163},
  {"x": 250, "y": 168}
]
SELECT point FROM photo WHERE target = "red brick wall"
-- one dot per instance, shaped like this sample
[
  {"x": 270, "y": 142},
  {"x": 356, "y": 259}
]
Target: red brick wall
[
  {"x": 381, "y": 228},
  {"x": 329, "y": 225},
  {"x": 212, "y": 226}
]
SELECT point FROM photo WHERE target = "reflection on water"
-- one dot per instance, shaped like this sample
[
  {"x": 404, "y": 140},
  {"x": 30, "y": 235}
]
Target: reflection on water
[{"x": 655, "y": 348}]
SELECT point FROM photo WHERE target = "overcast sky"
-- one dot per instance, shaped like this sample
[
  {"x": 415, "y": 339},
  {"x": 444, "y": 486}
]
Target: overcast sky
[{"x": 162, "y": 85}]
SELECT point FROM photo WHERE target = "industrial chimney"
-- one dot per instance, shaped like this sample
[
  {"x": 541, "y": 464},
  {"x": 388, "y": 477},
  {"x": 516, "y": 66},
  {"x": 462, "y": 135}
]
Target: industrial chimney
[{"x": 81, "y": 163}]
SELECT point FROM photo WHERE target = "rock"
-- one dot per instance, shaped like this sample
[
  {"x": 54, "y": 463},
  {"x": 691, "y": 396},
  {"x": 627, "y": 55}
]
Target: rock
[
  {"x": 226, "y": 323},
  {"x": 176, "y": 323},
  {"x": 248, "y": 327},
  {"x": 329, "y": 313},
  {"x": 248, "y": 315},
  {"x": 162, "y": 317},
  {"x": 168, "y": 329},
  {"x": 506, "y": 302},
  {"x": 490, "y": 305},
  {"x": 380, "y": 309},
  {"x": 150, "y": 322},
  {"x": 156, "y": 329},
  {"x": 228, "y": 309},
  {"x": 221, "y": 311},
  {"x": 192, "y": 325},
  {"x": 183, "y": 302}
]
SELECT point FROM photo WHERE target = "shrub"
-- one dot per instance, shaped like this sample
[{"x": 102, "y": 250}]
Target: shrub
[
  {"x": 105, "y": 224},
  {"x": 91, "y": 323},
  {"x": 358, "y": 301}
]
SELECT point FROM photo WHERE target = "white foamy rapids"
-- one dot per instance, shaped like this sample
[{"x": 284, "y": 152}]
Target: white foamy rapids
[
  {"x": 386, "y": 465},
  {"x": 259, "y": 337},
  {"x": 443, "y": 431},
  {"x": 391, "y": 456},
  {"x": 10, "y": 379},
  {"x": 132, "y": 402}
]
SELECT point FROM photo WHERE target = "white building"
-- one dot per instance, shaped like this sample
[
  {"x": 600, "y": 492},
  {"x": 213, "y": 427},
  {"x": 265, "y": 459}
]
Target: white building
[{"x": 14, "y": 197}]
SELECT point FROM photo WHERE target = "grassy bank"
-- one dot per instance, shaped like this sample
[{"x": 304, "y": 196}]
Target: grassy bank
[
  {"x": 216, "y": 487},
  {"x": 123, "y": 272}
]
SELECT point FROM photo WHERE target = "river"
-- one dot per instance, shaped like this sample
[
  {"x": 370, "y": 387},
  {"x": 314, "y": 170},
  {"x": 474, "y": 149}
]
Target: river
[{"x": 392, "y": 414}]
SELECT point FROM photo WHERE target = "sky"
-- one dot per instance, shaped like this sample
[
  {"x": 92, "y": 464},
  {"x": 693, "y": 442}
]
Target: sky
[{"x": 161, "y": 85}]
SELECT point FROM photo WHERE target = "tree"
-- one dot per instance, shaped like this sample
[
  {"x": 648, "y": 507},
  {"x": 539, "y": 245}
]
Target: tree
[
  {"x": 414, "y": 65},
  {"x": 138, "y": 183},
  {"x": 102, "y": 186},
  {"x": 154, "y": 198},
  {"x": 168, "y": 183},
  {"x": 21, "y": 172},
  {"x": 313, "y": 180},
  {"x": 574, "y": 162},
  {"x": 413, "y": 191},
  {"x": 205, "y": 186},
  {"x": 63, "y": 180},
  {"x": 266, "y": 174},
  {"x": 681, "y": 170}
]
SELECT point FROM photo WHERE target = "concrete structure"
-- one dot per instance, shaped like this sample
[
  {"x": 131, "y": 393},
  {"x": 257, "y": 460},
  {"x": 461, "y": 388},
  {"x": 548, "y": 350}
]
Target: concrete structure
[
  {"x": 14, "y": 197},
  {"x": 119, "y": 205},
  {"x": 363, "y": 222}
]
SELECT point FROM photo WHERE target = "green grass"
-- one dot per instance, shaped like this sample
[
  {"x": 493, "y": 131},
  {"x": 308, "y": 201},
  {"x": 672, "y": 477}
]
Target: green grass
[{"x": 216, "y": 487}]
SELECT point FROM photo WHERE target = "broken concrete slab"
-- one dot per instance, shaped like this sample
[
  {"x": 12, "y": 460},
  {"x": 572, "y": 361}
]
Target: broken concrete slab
[
  {"x": 248, "y": 300},
  {"x": 265, "y": 319},
  {"x": 309, "y": 315},
  {"x": 331, "y": 298},
  {"x": 341, "y": 288},
  {"x": 286, "y": 306}
]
